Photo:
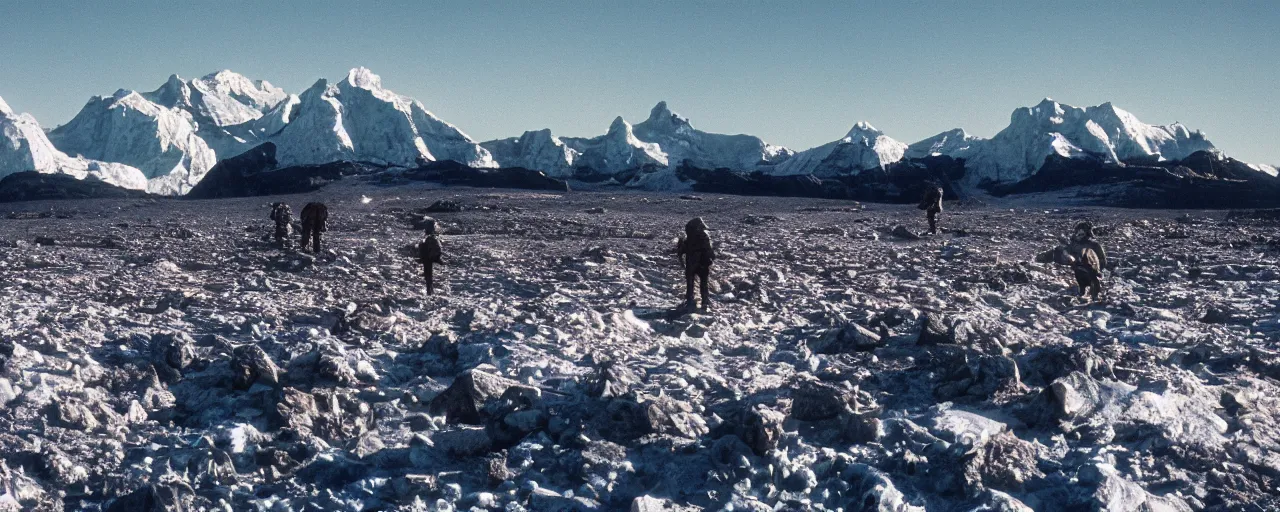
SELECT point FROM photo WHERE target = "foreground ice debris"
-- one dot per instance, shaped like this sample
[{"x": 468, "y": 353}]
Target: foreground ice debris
[{"x": 166, "y": 355}]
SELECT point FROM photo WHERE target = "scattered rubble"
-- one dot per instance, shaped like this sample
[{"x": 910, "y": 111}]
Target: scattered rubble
[{"x": 164, "y": 355}]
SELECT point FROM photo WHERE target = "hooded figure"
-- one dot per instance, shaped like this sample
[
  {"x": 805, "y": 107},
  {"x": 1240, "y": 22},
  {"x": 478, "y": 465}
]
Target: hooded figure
[
  {"x": 283, "y": 217},
  {"x": 932, "y": 205},
  {"x": 429, "y": 253},
  {"x": 315, "y": 220},
  {"x": 1087, "y": 259},
  {"x": 698, "y": 256}
]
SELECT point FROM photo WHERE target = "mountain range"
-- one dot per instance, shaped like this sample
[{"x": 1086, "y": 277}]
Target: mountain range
[{"x": 165, "y": 141}]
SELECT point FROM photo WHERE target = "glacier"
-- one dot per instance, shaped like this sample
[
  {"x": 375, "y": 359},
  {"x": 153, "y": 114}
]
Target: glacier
[
  {"x": 25, "y": 147},
  {"x": 357, "y": 119},
  {"x": 1104, "y": 132},
  {"x": 663, "y": 141},
  {"x": 535, "y": 149},
  {"x": 129, "y": 129},
  {"x": 165, "y": 140},
  {"x": 863, "y": 148}
]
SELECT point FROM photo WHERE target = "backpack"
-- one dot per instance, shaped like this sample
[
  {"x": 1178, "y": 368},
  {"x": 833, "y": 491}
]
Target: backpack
[{"x": 429, "y": 250}]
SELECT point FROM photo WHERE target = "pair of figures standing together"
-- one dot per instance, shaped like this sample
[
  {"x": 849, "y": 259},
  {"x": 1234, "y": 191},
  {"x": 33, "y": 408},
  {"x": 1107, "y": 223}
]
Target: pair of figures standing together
[{"x": 315, "y": 220}]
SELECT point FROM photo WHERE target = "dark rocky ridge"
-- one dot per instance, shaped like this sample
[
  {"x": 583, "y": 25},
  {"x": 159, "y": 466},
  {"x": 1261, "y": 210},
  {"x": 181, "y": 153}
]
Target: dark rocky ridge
[
  {"x": 901, "y": 182},
  {"x": 253, "y": 173},
  {"x": 449, "y": 172},
  {"x": 1201, "y": 180},
  {"x": 36, "y": 186}
]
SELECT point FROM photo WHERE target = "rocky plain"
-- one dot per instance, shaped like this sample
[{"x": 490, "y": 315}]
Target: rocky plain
[{"x": 163, "y": 354}]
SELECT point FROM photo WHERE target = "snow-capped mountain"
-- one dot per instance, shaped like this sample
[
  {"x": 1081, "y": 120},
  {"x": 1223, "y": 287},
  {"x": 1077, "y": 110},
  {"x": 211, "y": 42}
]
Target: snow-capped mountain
[
  {"x": 681, "y": 141},
  {"x": 224, "y": 98},
  {"x": 665, "y": 139},
  {"x": 172, "y": 136},
  {"x": 233, "y": 113},
  {"x": 535, "y": 150},
  {"x": 863, "y": 148},
  {"x": 129, "y": 129},
  {"x": 1104, "y": 132},
  {"x": 358, "y": 119},
  {"x": 25, "y": 147},
  {"x": 950, "y": 142},
  {"x": 617, "y": 150}
]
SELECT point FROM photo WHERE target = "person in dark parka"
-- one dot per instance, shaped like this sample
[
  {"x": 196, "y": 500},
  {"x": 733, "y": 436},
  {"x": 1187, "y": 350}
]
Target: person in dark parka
[
  {"x": 429, "y": 252},
  {"x": 932, "y": 206},
  {"x": 1086, "y": 258},
  {"x": 698, "y": 255},
  {"x": 315, "y": 220},
  {"x": 283, "y": 217}
]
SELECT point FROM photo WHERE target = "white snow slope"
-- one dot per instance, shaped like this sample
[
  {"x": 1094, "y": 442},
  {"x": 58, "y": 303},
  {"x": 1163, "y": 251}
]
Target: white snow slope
[
  {"x": 535, "y": 150},
  {"x": 358, "y": 119},
  {"x": 863, "y": 148},
  {"x": 129, "y": 129},
  {"x": 224, "y": 98},
  {"x": 665, "y": 139},
  {"x": 24, "y": 147},
  {"x": 175, "y": 134},
  {"x": 1105, "y": 132},
  {"x": 681, "y": 141},
  {"x": 233, "y": 113}
]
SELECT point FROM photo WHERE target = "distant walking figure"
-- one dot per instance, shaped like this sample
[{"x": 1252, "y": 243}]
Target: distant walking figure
[
  {"x": 315, "y": 220},
  {"x": 932, "y": 205},
  {"x": 429, "y": 252},
  {"x": 283, "y": 217},
  {"x": 698, "y": 255}
]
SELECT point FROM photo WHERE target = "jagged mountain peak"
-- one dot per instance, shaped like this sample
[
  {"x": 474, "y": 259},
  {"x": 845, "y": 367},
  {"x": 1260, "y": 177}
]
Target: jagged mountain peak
[
  {"x": 358, "y": 119},
  {"x": 863, "y": 147},
  {"x": 863, "y": 129},
  {"x": 318, "y": 87},
  {"x": 951, "y": 142},
  {"x": 224, "y": 75},
  {"x": 363, "y": 78},
  {"x": 663, "y": 121},
  {"x": 543, "y": 134},
  {"x": 660, "y": 111},
  {"x": 24, "y": 146},
  {"x": 619, "y": 125}
]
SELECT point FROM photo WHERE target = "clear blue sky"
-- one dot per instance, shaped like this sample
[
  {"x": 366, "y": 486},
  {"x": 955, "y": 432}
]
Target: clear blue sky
[{"x": 797, "y": 74}]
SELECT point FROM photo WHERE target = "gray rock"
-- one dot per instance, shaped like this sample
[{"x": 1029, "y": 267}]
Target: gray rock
[
  {"x": 815, "y": 401},
  {"x": 444, "y": 206},
  {"x": 902, "y": 232},
  {"x": 631, "y": 417},
  {"x": 939, "y": 330},
  {"x": 761, "y": 429},
  {"x": 613, "y": 380},
  {"x": 169, "y": 496},
  {"x": 250, "y": 364},
  {"x": 849, "y": 338},
  {"x": 861, "y": 427},
  {"x": 74, "y": 413},
  {"x": 172, "y": 352},
  {"x": 296, "y": 409},
  {"x": 463, "y": 401},
  {"x": 463, "y": 441}
]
